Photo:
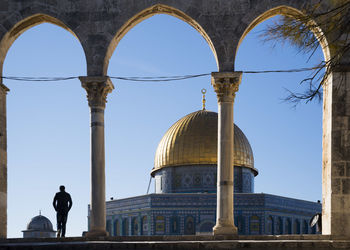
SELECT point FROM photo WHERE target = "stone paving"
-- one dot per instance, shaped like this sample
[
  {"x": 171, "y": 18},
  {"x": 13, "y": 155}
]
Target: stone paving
[{"x": 181, "y": 242}]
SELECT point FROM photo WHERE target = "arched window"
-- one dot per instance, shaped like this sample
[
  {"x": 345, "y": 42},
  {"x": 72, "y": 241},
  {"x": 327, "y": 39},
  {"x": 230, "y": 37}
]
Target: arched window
[
  {"x": 160, "y": 224},
  {"x": 144, "y": 225},
  {"x": 190, "y": 225},
  {"x": 296, "y": 227},
  {"x": 254, "y": 224},
  {"x": 288, "y": 227},
  {"x": 270, "y": 226},
  {"x": 175, "y": 225},
  {"x": 109, "y": 227},
  {"x": 239, "y": 222},
  {"x": 206, "y": 227},
  {"x": 135, "y": 226},
  {"x": 116, "y": 228},
  {"x": 305, "y": 227},
  {"x": 126, "y": 226},
  {"x": 279, "y": 226}
]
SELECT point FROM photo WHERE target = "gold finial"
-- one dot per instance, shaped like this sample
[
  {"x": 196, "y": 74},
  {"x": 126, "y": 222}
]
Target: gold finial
[{"x": 203, "y": 99}]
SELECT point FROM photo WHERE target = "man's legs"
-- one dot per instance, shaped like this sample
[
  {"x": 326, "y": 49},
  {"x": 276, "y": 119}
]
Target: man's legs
[
  {"x": 64, "y": 221},
  {"x": 59, "y": 224}
]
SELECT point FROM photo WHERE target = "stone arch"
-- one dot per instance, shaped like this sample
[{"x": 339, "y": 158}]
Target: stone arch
[
  {"x": 20, "y": 27},
  {"x": 147, "y": 13},
  {"x": 286, "y": 11},
  {"x": 332, "y": 153},
  {"x": 15, "y": 27}
]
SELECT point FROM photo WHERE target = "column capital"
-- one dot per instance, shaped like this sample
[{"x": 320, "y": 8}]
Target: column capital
[
  {"x": 97, "y": 88},
  {"x": 3, "y": 88},
  {"x": 226, "y": 84}
]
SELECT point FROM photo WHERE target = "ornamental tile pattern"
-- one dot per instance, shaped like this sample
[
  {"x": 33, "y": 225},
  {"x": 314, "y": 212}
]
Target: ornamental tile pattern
[{"x": 254, "y": 214}]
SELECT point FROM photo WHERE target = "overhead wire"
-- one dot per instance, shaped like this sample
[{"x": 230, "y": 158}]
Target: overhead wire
[
  {"x": 151, "y": 78},
  {"x": 38, "y": 79}
]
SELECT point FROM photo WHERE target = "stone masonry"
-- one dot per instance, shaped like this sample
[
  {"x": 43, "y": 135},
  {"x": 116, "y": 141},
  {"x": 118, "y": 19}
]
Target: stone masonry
[
  {"x": 100, "y": 24},
  {"x": 3, "y": 162}
]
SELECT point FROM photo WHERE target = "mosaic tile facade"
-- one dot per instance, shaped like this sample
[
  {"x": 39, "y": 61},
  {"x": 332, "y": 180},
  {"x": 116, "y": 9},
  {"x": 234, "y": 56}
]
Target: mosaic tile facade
[
  {"x": 193, "y": 179},
  {"x": 186, "y": 214}
]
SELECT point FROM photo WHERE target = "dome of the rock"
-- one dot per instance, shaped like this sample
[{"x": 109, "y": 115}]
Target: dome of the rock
[
  {"x": 193, "y": 141},
  {"x": 186, "y": 157}
]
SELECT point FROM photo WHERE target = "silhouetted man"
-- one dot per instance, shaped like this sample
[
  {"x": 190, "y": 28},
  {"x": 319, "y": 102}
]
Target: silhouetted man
[{"x": 62, "y": 204}]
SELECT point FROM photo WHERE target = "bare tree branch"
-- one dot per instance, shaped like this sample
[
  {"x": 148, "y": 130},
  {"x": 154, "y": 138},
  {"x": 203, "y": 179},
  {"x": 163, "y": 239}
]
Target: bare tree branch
[{"x": 303, "y": 31}]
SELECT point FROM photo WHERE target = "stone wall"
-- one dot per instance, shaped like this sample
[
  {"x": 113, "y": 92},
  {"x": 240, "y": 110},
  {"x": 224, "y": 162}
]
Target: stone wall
[
  {"x": 99, "y": 25},
  {"x": 336, "y": 155}
]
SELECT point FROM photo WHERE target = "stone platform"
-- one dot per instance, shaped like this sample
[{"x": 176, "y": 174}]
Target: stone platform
[{"x": 282, "y": 242}]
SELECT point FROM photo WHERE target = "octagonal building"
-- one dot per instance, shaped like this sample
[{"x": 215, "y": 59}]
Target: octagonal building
[{"x": 184, "y": 202}]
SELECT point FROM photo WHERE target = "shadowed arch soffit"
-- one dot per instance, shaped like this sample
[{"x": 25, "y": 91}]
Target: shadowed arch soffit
[
  {"x": 286, "y": 11},
  {"x": 147, "y": 13},
  {"x": 23, "y": 25}
]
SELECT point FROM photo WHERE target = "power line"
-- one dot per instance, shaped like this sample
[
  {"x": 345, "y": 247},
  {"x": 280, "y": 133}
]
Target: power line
[
  {"x": 158, "y": 78},
  {"x": 283, "y": 71},
  {"x": 38, "y": 79},
  {"x": 150, "y": 78}
]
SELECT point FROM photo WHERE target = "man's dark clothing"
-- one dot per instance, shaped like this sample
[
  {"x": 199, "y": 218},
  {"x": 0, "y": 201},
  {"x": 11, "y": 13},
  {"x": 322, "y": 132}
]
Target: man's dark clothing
[
  {"x": 61, "y": 223},
  {"x": 62, "y": 204}
]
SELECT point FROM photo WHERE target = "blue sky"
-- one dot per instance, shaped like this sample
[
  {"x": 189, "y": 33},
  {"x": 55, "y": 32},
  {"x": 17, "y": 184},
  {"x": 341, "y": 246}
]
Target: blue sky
[{"x": 49, "y": 131}]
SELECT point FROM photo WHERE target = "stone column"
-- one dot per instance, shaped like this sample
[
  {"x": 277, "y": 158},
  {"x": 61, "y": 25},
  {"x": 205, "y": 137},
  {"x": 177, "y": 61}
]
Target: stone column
[
  {"x": 336, "y": 154},
  {"x": 97, "y": 89},
  {"x": 3, "y": 162},
  {"x": 226, "y": 85}
]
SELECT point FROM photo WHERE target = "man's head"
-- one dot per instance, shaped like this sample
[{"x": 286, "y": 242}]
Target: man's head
[{"x": 62, "y": 188}]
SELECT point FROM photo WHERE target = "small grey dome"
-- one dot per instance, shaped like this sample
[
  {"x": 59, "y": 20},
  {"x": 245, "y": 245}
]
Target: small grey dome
[{"x": 40, "y": 223}]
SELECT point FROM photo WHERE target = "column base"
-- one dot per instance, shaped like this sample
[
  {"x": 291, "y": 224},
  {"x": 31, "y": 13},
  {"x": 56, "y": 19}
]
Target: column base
[
  {"x": 224, "y": 230},
  {"x": 96, "y": 233}
]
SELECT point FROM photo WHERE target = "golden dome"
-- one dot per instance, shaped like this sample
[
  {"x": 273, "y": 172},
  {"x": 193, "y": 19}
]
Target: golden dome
[{"x": 193, "y": 141}]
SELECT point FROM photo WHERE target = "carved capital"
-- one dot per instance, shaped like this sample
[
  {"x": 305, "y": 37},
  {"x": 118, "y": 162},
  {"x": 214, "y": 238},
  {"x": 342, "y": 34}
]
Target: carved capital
[
  {"x": 226, "y": 85},
  {"x": 3, "y": 88},
  {"x": 97, "y": 88}
]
